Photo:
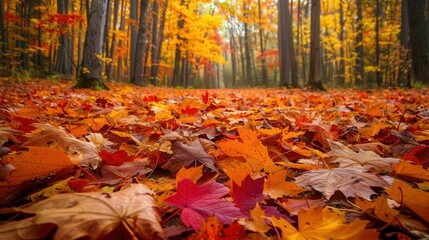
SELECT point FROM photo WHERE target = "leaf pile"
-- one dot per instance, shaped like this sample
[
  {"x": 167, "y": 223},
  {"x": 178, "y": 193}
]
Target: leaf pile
[{"x": 154, "y": 163}]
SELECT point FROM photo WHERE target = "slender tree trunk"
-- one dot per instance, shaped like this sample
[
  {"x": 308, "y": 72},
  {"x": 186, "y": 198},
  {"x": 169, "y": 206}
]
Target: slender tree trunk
[
  {"x": 119, "y": 75},
  {"x": 284, "y": 58},
  {"x": 64, "y": 64},
  {"x": 419, "y": 40},
  {"x": 291, "y": 47},
  {"x": 377, "y": 43},
  {"x": 90, "y": 75},
  {"x": 262, "y": 47},
  {"x": 2, "y": 29},
  {"x": 233, "y": 53},
  {"x": 342, "y": 65},
  {"x": 138, "y": 75},
  {"x": 177, "y": 76},
  {"x": 154, "y": 50},
  {"x": 133, "y": 48},
  {"x": 158, "y": 46},
  {"x": 315, "y": 80},
  {"x": 359, "y": 46},
  {"x": 247, "y": 49},
  {"x": 111, "y": 51}
]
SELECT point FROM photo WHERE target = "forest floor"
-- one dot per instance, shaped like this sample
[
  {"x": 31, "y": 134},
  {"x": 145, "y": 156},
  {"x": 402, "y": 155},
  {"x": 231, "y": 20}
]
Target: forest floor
[{"x": 153, "y": 163}]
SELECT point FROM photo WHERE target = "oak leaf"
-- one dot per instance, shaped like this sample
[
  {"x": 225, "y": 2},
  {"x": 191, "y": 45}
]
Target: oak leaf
[
  {"x": 200, "y": 202},
  {"x": 324, "y": 223},
  {"x": 349, "y": 158},
  {"x": 350, "y": 181},
  {"x": 93, "y": 215},
  {"x": 186, "y": 154}
]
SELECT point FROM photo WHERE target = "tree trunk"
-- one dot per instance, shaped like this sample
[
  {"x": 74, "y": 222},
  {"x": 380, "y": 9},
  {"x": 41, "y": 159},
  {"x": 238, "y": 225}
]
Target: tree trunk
[
  {"x": 160, "y": 38},
  {"x": 283, "y": 46},
  {"x": 419, "y": 40},
  {"x": 404, "y": 78},
  {"x": 64, "y": 64},
  {"x": 359, "y": 46},
  {"x": 315, "y": 80},
  {"x": 90, "y": 75},
  {"x": 262, "y": 47},
  {"x": 377, "y": 43},
  {"x": 133, "y": 17},
  {"x": 341, "y": 65},
  {"x": 111, "y": 51},
  {"x": 138, "y": 75},
  {"x": 292, "y": 56},
  {"x": 2, "y": 29},
  {"x": 233, "y": 53}
]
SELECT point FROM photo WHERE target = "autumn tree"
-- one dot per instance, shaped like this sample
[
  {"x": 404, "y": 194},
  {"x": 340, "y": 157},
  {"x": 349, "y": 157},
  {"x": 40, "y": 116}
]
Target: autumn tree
[
  {"x": 137, "y": 76},
  {"x": 91, "y": 70}
]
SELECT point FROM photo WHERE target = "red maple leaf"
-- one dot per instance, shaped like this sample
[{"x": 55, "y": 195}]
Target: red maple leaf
[
  {"x": 418, "y": 155},
  {"x": 78, "y": 184},
  {"x": 115, "y": 158},
  {"x": 188, "y": 110},
  {"x": 205, "y": 97},
  {"x": 200, "y": 202},
  {"x": 250, "y": 193}
]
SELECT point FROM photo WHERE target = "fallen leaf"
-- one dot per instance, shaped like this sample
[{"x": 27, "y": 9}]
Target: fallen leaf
[
  {"x": 407, "y": 169},
  {"x": 92, "y": 215},
  {"x": 418, "y": 155},
  {"x": 115, "y": 158},
  {"x": 186, "y": 154},
  {"x": 256, "y": 221},
  {"x": 35, "y": 163},
  {"x": 414, "y": 199},
  {"x": 248, "y": 194},
  {"x": 293, "y": 206},
  {"x": 200, "y": 202},
  {"x": 349, "y": 158},
  {"x": 355, "y": 181},
  {"x": 324, "y": 223},
  {"x": 193, "y": 173},
  {"x": 114, "y": 174},
  {"x": 276, "y": 185},
  {"x": 81, "y": 153},
  {"x": 379, "y": 209},
  {"x": 251, "y": 149}
]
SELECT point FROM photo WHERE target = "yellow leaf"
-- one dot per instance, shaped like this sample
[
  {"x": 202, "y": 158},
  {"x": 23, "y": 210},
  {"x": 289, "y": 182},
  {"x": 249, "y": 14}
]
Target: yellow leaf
[
  {"x": 323, "y": 223},
  {"x": 193, "y": 173},
  {"x": 256, "y": 222}
]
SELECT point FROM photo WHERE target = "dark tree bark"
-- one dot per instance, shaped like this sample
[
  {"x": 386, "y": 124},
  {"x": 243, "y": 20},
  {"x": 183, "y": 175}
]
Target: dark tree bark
[
  {"x": 283, "y": 46},
  {"x": 138, "y": 75},
  {"x": 292, "y": 56},
  {"x": 315, "y": 80},
  {"x": 341, "y": 65},
  {"x": 2, "y": 29},
  {"x": 156, "y": 54},
  {"x": 90, "y": 75},
  {"x": 419, "y": 39}
]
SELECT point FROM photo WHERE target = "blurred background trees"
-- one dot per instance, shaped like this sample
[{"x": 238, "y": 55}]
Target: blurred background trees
[{"x": 210, "y": 44}]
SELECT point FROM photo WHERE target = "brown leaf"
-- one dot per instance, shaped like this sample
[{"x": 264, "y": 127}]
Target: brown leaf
[
  {"x": 92, "y": 215},
  {"x": 350, "y": 181},
  {"x": 186, "y": 154}
]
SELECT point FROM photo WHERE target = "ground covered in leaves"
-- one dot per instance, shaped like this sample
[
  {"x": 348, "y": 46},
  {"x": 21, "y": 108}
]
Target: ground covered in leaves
[{"x": 154, "y": 163}]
